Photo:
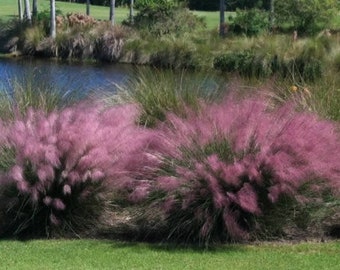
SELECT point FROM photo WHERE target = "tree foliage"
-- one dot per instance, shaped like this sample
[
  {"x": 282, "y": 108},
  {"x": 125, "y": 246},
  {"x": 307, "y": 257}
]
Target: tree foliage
[
  {"x": 203, "y": 5},
  {"x": 230, "y": 5},
  {"x": 306, "y": 16},
  {"x": 162, "y": 17}
]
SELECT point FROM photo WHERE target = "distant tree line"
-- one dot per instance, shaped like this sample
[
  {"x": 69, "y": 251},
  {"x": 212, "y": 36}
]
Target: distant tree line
[
  {"x": 100, "y": 2},
  {"x": 211, "y": 5},
  {"x": 229, "y": 4}
]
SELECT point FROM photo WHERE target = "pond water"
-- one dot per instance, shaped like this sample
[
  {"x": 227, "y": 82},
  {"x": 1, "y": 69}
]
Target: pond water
[
  {"x": 91, "y": 77},
  {"x": 66, "y": 76}
]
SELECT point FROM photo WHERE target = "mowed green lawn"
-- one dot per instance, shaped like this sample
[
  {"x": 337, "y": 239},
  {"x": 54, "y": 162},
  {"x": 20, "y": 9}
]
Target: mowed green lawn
[
  {"x": 9, "y": 9},
  {"x": 95, "y": 254}
]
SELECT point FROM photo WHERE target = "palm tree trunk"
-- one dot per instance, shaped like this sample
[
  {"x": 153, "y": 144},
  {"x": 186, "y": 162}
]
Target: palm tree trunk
[
  {"x": 222, "y": 18},
  {"x": 88, "y": 7},
  {"x": 21, "y": 16},
  {"x": 131, "y": 11},
  {"x": 53, "y": 29},
  {"x": 28, "y": 11},
  {"x": 272, "y": 14},
  {"x": 35, "y": 9},
  {"x": 112, "y": 11}
]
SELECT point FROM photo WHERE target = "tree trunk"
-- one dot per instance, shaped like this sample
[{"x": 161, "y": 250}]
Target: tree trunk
[
  {"x": 222, "y": 18},
  {"x": 131, "y": 11},
  {"x": 28, "y": 11},
  {"x": 88, "y": 7},
  {"x": 53, "y": 30},
  {"x": 21, "y": 16},
  {"x": 272, "y": 14},
  {"x": 112, "y": 11},
  {"x": 35, "y": 9}
]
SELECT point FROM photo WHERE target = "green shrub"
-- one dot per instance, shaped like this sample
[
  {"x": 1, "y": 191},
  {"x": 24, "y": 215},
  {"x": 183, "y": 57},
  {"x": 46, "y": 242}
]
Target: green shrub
[
  {"x": 164, "y": 17},
  {"x": 175, "y": 55},
  {"x": 43, "y": 18},
  {"x": 246, "y": 63},
  {"x": 249, "y": 22},
  {"x": 231, "y": 62}
]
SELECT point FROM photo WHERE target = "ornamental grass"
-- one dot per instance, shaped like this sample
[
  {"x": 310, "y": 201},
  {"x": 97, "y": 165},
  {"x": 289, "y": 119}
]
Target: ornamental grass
[
  {"x": 59, "y": 169},
  {"x": 232, "y": 164}
]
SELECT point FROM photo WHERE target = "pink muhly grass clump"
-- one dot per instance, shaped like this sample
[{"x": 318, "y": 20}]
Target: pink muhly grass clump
[
  {"x": 67, "y": 162},
  {"x": 233, "y": 159}
]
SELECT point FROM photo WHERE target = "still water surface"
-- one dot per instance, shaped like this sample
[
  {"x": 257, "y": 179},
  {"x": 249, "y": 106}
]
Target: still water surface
[
  {"x": 90, "y": 77},
  {"x": 66, "y": 76}
]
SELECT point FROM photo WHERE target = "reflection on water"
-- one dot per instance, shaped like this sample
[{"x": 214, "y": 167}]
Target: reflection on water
[
  {"x": 85, "y": 77},
  {"x": 66, "y": 76}
]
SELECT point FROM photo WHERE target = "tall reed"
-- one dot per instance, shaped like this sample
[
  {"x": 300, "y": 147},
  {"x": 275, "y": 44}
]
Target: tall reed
[
  {"x": 29, "y": 90},
  {"x": 159, "y": 92}
]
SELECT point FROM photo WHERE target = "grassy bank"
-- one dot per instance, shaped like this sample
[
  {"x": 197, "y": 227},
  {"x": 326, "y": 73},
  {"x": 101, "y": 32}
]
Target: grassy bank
[{"x": 94, "y": 254}]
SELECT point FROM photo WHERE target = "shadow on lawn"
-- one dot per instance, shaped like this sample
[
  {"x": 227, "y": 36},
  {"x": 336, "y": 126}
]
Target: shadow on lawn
[{"x": 175, "y": 248}]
